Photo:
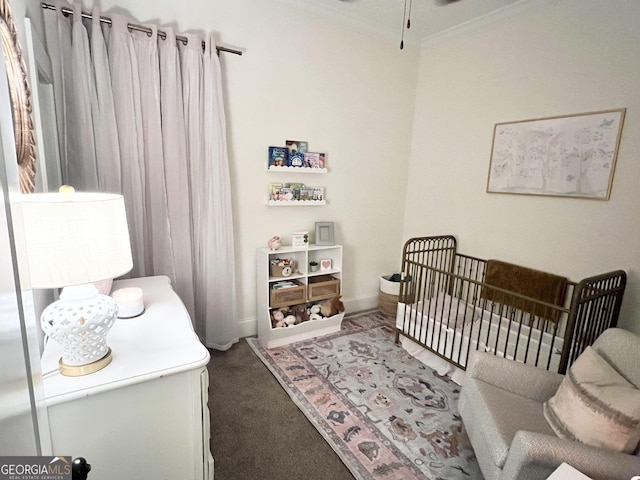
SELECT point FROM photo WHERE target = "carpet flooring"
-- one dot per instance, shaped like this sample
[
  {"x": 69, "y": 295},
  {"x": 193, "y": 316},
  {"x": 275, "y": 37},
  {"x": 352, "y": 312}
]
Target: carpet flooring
[
  {"x": 387, "y": 415},
  {"x": 257, "y": 432}
]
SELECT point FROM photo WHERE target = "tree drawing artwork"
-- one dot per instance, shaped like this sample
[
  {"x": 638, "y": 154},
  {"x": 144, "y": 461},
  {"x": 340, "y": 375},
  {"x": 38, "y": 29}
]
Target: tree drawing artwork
[{"x": 562, "y": 156}]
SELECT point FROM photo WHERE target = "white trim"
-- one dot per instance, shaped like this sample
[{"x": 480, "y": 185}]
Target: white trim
[
  {"x": 336, "y": 15},
  {"x": 360, "y": 304},
  {"x": 248, "y": 327},
  {"x": 494, "y": 16}
]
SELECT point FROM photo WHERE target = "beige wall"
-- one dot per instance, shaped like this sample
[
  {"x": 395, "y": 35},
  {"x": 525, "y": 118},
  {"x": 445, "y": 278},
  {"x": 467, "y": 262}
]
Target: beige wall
[
  {"x": 354, "y": 97},
  {"x": 560, "y": 57},
  {"x": 347, "y": 93}
]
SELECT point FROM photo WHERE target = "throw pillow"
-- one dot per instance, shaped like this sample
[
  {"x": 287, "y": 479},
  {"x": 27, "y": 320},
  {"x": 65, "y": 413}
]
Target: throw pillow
[{"x": 596, "y": 406}]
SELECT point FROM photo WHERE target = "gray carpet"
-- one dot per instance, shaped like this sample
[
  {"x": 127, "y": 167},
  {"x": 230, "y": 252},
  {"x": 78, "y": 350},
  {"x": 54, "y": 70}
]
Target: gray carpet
[{"x": 257, "y": 432}]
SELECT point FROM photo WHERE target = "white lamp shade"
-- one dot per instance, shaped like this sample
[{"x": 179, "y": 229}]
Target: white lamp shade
[{"x": 77, "y": 238}]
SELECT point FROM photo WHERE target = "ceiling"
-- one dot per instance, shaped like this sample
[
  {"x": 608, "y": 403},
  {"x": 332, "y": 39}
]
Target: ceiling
[{"x": 428, "y": 17}]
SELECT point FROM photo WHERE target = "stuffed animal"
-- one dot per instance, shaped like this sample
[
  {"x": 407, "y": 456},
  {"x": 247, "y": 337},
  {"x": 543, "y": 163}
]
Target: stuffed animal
[
  {"x": 315, "y": 316},
  {"x": 300, "y": 311},
  {"x": 278, "y": 318},
  {"x": 331, "y": 307},
  {"x": 290, "y": 320},
  {"x": 274, "y": 243}
]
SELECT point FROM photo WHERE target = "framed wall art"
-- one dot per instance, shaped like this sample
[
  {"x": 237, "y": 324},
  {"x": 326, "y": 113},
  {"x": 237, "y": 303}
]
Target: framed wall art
[
  {"x": 567, "y": 156},
  {"x": 325, "y": 234}
]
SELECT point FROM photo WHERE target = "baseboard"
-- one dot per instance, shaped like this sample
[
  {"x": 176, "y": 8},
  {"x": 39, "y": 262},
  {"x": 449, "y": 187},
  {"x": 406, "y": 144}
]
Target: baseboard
[
  {"x": 249, "y": 326},
  {"x": 359, "y": 304}
]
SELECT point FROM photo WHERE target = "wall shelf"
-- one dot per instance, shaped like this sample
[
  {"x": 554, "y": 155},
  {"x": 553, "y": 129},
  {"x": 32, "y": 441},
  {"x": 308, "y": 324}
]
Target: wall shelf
[
  {"x": 275, "y": 168},
  {"x": 295, "y": 203}
]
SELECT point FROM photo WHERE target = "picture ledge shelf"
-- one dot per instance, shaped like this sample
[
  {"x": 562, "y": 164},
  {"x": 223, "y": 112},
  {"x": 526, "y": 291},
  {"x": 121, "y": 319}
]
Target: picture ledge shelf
[
  {"x": 295, "y": 203},
  {"x": 276, "y": 168}
]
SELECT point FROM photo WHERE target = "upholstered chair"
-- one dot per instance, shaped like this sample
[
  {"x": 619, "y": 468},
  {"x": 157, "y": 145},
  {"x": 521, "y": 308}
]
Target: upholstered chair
[{"x": 523, "y": 421}]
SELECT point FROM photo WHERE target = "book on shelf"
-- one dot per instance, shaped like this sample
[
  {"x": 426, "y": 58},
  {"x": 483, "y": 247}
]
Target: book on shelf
[
  {"x": 295, "y": 188},
  {"x": 274, "y": 190},
  {"x": 296, "y": 159},
  {"x": 278, "y": 156},
  {"x": 283, "y": 284},
  {"x": 314, "y": 160},
  {"x": 297, "y": 146},
  {"x": 294, "y": 191},
  {"x": 318, "y": 193},
  {"x": 306, "y": 193},
  {"x": 285, "y": 194}
]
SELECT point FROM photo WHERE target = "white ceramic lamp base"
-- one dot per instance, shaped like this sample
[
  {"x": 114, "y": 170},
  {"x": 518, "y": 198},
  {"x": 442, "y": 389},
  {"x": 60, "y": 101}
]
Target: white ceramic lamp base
[{"x": 80, "y": 321}]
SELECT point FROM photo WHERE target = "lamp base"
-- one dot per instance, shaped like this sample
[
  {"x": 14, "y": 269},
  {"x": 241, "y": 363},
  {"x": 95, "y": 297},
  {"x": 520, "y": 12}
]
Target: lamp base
[
  {"x": 79, "y": 322},
  {"x": 79, "y": 370}
]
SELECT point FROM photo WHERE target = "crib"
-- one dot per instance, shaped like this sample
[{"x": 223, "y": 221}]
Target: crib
[{"x": 451, "y": 304}]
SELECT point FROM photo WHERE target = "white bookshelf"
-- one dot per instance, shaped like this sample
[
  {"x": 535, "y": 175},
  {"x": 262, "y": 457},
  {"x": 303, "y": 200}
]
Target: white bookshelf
[{"x": 272, "y": 337}]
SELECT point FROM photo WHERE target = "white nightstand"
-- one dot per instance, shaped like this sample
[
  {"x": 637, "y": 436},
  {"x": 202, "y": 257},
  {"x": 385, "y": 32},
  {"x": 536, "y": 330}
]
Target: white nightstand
[{"x": 145, "y": 415}]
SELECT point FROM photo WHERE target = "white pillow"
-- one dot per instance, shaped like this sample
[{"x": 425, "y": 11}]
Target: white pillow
[{"x": 596, "y": 406}]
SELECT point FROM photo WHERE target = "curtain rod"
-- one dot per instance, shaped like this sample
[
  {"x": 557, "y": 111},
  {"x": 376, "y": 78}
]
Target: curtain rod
[{"x": 140, "y": 28}]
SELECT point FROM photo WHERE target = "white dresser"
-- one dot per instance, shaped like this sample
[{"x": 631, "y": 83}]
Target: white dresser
[{"x": 145, "y": 415}]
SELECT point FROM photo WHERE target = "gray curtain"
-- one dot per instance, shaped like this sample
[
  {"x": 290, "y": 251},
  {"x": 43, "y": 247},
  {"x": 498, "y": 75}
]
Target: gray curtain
[{"x": 144, "y": 117}]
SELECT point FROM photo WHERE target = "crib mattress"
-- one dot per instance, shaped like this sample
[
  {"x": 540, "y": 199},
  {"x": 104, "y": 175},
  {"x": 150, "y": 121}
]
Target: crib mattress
[{"x": 450, "y": 326}]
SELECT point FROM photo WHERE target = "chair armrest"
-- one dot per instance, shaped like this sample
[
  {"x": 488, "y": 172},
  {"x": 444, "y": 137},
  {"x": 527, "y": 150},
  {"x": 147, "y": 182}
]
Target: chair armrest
[
  {"x": 525, "y": 380},
  {"x": 534, "y": 456}
]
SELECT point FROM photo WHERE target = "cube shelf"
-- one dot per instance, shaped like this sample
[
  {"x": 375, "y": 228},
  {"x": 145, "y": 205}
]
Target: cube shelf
[{"x": 308, "y": 287}]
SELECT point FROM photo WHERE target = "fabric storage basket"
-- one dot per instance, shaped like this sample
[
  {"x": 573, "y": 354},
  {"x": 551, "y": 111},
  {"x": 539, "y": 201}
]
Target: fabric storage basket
[
  {"x": 282, "y": 269},
  {"x": 389, "y": 295},
  {"x": 323, "y": 287},
  {"x": 387, "y": 303}
]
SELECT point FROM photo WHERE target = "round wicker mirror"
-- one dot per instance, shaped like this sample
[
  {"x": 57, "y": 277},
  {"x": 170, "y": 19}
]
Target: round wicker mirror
[{"x": 20, "y": 99}]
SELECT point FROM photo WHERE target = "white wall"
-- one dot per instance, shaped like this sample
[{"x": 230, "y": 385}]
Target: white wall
[
  {"x": 347, "y": 93},
  {"x": 560, "y": 57}
]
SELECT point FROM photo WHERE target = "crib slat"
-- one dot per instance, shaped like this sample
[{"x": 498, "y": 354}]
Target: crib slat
[{"x": 443, "y": 309}]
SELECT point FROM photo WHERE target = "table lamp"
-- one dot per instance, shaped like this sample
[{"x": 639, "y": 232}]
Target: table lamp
[{"x": 73, "y": 239}]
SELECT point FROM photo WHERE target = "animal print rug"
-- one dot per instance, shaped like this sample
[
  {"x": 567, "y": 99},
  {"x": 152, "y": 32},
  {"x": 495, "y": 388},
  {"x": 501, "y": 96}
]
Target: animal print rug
[{"x": 386, "y": 414}]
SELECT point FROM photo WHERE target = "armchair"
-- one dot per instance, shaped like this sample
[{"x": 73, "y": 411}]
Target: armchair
[{"x": 501, "y": 405}]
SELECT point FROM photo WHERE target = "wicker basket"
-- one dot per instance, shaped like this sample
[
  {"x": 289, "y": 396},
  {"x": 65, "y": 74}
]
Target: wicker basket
[
  {"x": 389, "y": 296},
  {"x": 387, "y": 303},
  {"x": 322, "y": 287},
  {"x": 287, "y": 296}
]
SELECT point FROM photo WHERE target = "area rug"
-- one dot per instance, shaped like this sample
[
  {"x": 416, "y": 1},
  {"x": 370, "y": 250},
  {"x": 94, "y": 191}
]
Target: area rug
[{"x": 387, "y": 415}]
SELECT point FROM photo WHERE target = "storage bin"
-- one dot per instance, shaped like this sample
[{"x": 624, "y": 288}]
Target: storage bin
[
  {"x": 389, "y": 294},
  {"x": 283, "y": 269},
  {"x": 322, "y": 287},
  {"x": 284, "y": 297}
]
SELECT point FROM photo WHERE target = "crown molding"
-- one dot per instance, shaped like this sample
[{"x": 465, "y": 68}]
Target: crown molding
[
  {"x": 336, "y": 15},
  {"x": 483, "y": 21}
]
